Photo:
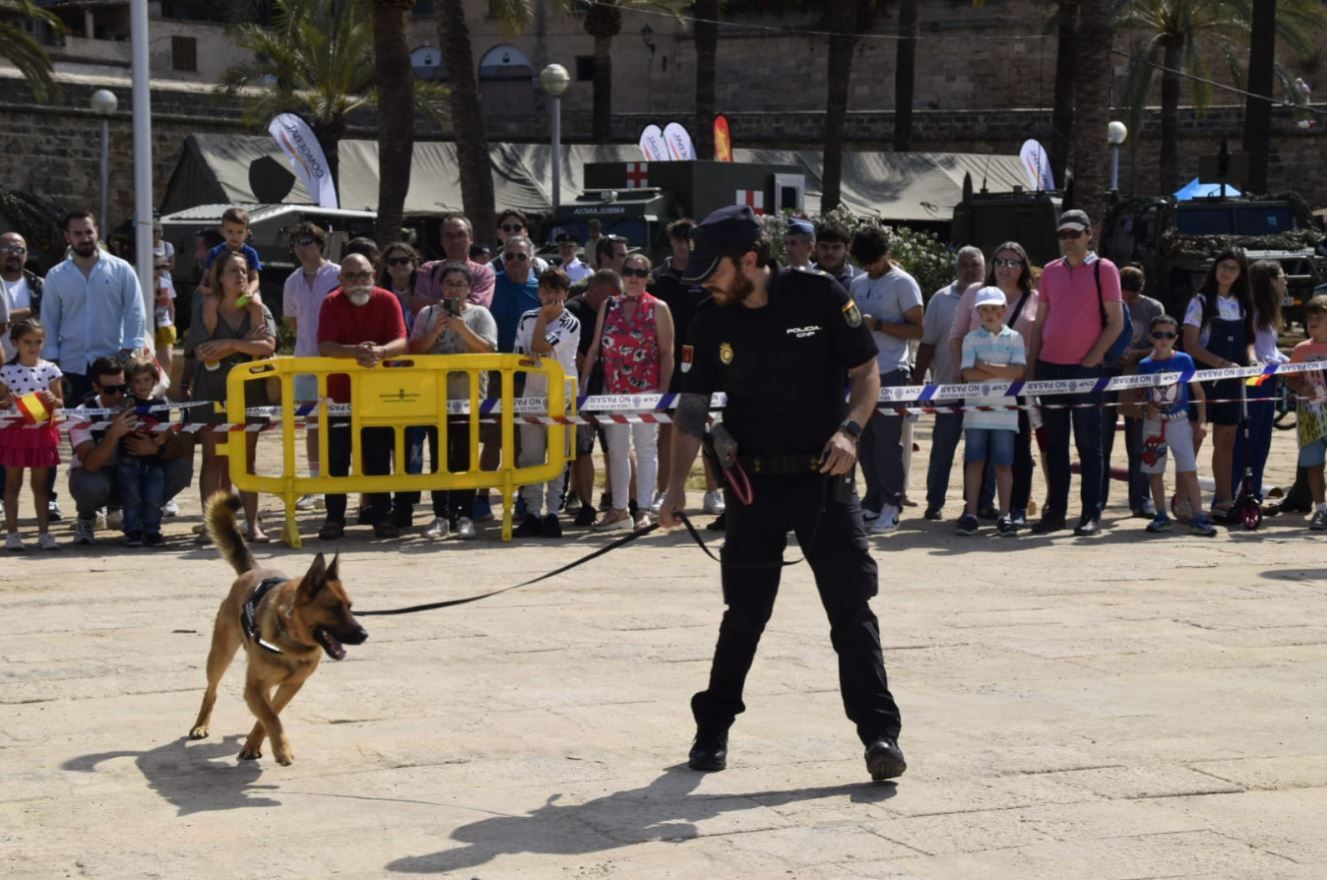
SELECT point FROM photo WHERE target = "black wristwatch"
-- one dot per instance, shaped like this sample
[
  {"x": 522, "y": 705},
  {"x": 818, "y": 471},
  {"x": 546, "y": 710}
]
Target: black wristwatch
[{"x": 851, "y": 428}]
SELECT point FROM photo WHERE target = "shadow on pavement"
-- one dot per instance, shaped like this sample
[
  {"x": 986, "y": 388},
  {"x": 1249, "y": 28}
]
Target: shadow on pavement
[
  {"x": 188, "y": 778},
  {"x": 665, "y": 810}
]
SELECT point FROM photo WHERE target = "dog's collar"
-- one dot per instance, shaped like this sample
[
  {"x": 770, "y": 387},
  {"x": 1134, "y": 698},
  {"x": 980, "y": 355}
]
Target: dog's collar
[{"x": 249, "y": 614}]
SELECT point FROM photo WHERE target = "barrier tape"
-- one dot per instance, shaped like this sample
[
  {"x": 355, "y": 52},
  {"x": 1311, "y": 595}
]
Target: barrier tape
[{"x": 651, "y": 408}]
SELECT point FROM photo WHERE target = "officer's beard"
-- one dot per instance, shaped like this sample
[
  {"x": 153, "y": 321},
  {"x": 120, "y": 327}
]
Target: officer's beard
[{"x": 735, "y": 295}]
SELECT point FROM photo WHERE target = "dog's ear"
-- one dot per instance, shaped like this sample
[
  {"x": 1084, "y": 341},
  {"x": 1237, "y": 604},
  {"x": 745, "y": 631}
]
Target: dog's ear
[
  {"x": 315, "y": 578},
  {"x": 332, "y": 573}
]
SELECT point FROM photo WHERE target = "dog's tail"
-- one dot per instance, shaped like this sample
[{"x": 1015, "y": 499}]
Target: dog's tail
[{"x": 220, "y": 519}]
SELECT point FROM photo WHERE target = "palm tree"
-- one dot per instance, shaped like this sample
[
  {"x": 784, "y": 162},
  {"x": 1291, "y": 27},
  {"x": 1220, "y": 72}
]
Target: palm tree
[
  {"x": 905, "y": 70},
  {"x": 396, "y": 113},
  {"x": 842, "y": 43},
  {"x": 1062, "y": 117},
  {"x": 18, "y": 47},
  {"x": 316, "y": 59},
  {"x": 1180, "y": 35},
  {"x": 603, "y": 21},
  {"x": 706, "y": 33},
  {"x": 1088, "y": 158},
  {"x": 467, "y": 119}
]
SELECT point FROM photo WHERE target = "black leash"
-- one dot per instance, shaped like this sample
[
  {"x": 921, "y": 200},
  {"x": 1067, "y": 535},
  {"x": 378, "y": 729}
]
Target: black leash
[{"x": 608, "y": 548}]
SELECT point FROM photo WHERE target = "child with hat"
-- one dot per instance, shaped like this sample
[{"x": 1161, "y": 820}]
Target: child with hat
[{"x": 992, "y": 353}]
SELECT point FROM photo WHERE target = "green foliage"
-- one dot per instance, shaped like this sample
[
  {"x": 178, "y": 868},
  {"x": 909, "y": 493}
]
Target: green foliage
[
  {"x": 921, "y": 254},
  {"x": 19, "y": 48}
]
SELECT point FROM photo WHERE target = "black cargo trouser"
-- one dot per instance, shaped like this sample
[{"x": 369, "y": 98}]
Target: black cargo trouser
[{"x": 826, "y": 516}]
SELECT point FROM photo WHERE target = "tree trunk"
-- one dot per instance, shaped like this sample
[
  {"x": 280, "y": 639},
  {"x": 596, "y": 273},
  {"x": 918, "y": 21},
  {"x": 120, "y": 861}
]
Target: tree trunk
[
  {"x": 396, "y": 114},
  {"x": 838, "y": 74},
  {"x": 707, "y": 47},
  {"x": 1062, "y": 117},
  {"x": 905, "y": 70},
  {"x": 1258, "y": 111},
  {"x": 1089, "y": 157},
  {"x": 1170, "y": 113},
  {"x": 467, "y": 121},
  {"x": 601, "y": 126}
]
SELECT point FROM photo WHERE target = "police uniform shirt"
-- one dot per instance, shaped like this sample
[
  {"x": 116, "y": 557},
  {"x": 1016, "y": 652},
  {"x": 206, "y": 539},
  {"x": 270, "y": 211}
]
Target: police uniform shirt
[{"x": 784, "y": 367}]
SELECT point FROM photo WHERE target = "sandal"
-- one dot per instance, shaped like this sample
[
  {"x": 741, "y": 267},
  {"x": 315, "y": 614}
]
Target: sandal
[{"x": 332, "y": 530}]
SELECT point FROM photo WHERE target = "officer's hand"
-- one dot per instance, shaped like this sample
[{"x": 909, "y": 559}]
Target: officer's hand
[
  {"x": 673, "y": 503},
  {"x": 839, "y": 455}
]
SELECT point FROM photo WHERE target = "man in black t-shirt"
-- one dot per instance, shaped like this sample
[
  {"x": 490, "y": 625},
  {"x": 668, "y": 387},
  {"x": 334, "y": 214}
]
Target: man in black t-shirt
[
  {"x": 783, "y": 344},
  {"x": 600, "y": 286}
]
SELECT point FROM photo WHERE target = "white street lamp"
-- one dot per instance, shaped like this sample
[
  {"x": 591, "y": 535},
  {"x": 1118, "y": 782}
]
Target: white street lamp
[
  {"x": 103, "y": 104},
  {"x": 1116, "y": 134},
  {"x": 554, "y": 80}
]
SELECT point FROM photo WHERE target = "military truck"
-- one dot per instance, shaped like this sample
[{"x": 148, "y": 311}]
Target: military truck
[
  {"x": 638, "y": 200},
  {"x": 987, "y": 220},
  {"x": 1177, "y": 241}
]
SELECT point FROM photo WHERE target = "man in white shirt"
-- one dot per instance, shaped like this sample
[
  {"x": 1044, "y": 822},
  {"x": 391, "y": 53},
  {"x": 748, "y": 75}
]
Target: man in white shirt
[
  {"x": 21, "y": 296},
  {"x": 570, "y": 262},
  {"x": 548, "y": 331},
  {"x": 891, "y": 305}
]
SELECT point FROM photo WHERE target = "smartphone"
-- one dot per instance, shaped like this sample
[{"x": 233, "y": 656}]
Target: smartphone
[{"x": 452, "y": 306}]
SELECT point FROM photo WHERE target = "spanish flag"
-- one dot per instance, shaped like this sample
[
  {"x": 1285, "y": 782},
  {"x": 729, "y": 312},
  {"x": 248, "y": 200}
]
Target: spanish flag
[{"x": 33, "y": 410}]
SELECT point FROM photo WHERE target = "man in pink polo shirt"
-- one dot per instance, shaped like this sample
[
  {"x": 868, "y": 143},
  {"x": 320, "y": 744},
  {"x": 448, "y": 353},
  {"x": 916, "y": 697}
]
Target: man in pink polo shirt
[
  {"x": 1080, "y": 316},
  {"x": 457, "y": 236}
]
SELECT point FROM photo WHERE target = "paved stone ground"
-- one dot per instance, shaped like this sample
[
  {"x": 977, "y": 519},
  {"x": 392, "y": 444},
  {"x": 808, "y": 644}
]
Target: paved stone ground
[{"x": 1122, "y": 708}]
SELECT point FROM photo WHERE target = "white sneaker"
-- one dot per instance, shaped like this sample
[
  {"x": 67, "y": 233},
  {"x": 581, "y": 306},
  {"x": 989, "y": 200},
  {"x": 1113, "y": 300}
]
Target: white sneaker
[
  {"x": 15, "y": 543},
  {"x": 657, "y": 504},
  {"x": 83, "y": 531},
  {"x": 100, "y": 521},
  {"x": 887, "y": 521},
  {"x": 46, "y": 542},
  {"x": 311, "y": 502},
  {"x": 437, "y": 529},
  {"x": 714, "y": 502},
  {"x": 114, "y": 520},
  {"x": 465, "y": 529},
  {"x": 869, "y": 515},
  {"x": 170, "y": 508}
]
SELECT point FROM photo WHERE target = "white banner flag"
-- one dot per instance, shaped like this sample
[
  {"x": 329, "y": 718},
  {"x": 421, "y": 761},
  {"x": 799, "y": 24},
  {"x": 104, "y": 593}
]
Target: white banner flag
[{"x": 306, "y": 156}]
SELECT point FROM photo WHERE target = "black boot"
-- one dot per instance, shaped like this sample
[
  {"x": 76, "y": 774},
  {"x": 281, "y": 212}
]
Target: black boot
[
  {"x": 884, "y": 759},
  {"x": 709, "y": 750}
]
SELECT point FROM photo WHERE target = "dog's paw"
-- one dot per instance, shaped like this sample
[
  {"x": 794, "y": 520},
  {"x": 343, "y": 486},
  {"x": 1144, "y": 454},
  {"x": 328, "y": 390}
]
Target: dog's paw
[
  {"x": 285, "y": 759},
  {"x": 199, "y": 732},
  {"x": 282, "y": 751},
  {"x": 250, "y": 754}
]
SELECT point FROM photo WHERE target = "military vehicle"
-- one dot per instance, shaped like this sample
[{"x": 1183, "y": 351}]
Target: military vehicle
[
  {"x": 1176, "y": 242},
  {"x": 638, "y": 200},
  {"x": 987, "y": 220}
]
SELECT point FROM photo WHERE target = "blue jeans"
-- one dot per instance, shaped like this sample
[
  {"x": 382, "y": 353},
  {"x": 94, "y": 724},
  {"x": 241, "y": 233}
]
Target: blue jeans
[
  {"x": 945, "y": 434},
  {"x": 142, "y": 484},
  {"x": 1261, "y": 414},
  {"x": 1086, "y": 425}
]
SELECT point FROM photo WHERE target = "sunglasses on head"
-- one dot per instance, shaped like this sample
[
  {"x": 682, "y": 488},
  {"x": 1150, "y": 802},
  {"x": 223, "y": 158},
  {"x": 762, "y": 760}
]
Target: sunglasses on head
[
  {"x": 113, "y": 389},
  {"x": 635, "y": 273},
  {"x": 515, "y": 258},
  {"x": 1164, "y": 334},
  {"x": 1070, "y": 234},
  {"x": 399, "y": 261},
  {"x": 512, "y": 227}
]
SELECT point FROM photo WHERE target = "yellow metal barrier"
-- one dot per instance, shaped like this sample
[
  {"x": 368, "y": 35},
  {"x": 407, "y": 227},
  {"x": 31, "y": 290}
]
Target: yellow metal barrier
[{"x": 405, "y": 392}]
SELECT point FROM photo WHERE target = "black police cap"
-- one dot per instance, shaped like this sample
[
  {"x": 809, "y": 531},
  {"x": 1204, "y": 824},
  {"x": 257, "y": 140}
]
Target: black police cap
[{"x": 728, "y": 232}]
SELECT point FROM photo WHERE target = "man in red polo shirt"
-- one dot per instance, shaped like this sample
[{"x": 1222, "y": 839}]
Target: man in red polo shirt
[
  {"x": 1080, "y": 315},
  {"x": 364, "y": 323}
]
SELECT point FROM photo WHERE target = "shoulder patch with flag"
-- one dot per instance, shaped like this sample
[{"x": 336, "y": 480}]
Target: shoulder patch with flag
[{"x": 852, "y": 314}]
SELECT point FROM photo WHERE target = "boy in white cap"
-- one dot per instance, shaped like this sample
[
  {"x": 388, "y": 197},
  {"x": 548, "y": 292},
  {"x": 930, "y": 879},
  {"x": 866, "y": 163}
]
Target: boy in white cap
[{"x": 991, "y": 353}]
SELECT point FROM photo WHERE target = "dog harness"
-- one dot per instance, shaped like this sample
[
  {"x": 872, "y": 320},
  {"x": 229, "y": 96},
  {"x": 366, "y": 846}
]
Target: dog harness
[{"x": 249, "y": 614}]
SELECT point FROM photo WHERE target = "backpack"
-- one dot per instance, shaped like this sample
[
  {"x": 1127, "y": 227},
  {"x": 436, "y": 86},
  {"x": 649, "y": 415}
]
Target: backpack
[{"x": 1121, "y": 343}]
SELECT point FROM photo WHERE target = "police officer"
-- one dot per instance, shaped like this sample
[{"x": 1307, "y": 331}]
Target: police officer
[{"x": 783, "y": 344}]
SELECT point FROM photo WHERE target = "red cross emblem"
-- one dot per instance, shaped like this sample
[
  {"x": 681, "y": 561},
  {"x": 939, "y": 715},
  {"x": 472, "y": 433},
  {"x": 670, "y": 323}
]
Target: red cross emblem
[{"x": 638, "y": 175}]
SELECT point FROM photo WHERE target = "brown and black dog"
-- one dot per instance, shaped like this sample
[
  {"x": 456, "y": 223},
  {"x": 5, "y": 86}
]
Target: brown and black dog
[{"x": 285, "y": 625}]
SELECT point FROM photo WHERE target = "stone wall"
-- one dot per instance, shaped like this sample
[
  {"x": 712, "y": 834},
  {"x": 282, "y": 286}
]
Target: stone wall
[{"x": 54, "y": 151}]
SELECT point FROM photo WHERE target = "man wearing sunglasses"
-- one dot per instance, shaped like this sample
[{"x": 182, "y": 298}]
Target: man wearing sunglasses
[
  {"x": 513, "y": 222},
  {"x": 92, "y": 471},
  {"x": 1080, "y": 315},
  {"x": 21, "y": 296}
]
